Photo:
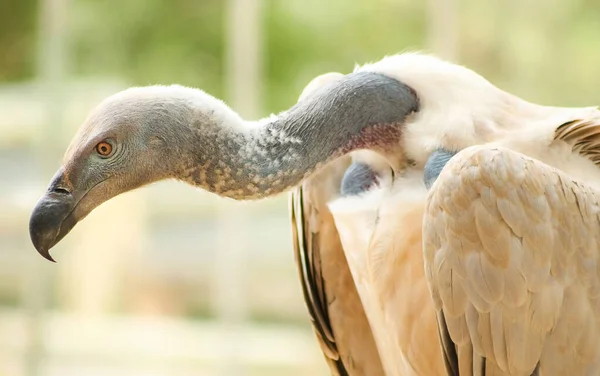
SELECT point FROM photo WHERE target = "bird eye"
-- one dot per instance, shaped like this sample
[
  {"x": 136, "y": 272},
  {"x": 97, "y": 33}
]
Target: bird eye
[{"x": 104, "y": 148}]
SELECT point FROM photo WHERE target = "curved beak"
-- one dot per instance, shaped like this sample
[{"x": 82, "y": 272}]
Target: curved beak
[
  {"x": 51, "y": 220},
  {"x": 55, "y": 214}
]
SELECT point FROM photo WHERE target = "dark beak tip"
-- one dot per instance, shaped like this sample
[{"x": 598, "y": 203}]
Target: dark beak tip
[
  {"x": 42, "y": 242},
  {"x": 45, "y": 254},
  {"x": 46, "y": 222}
]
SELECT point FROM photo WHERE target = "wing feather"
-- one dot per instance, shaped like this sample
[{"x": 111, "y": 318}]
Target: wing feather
[
  {"x": 511, "y": 251},
  {"x": 315, "y": 303},
  {"x": 334, "y": 306}
]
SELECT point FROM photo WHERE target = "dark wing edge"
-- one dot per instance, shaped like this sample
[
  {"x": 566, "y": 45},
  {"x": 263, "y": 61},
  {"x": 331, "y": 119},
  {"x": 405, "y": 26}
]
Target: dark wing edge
[
  {"x": 306, "y": 255},
  {"x": 448, "y": 347}
]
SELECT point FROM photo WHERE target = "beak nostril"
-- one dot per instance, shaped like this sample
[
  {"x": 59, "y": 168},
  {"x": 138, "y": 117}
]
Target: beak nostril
[{"x": 60, "y": 191}]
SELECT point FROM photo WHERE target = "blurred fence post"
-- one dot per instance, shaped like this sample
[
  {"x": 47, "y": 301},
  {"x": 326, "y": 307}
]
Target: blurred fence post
[
  {"x": 443, "y": 28},
  {"x": 105, "y": 247},
  {"x": 243, "y": 93},
  {"x": 51, "y": 69}
]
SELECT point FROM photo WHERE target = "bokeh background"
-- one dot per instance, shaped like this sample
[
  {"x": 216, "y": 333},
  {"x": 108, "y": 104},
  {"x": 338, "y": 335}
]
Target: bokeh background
[{"x": 169, "y": 280}]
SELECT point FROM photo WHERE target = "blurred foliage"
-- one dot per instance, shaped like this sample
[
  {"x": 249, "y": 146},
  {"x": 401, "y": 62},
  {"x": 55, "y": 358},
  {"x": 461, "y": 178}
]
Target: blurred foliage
[
  {"x": 149, "y": 42},
  {"x": 17, "y": 39},
  {"x": 543, "y": 50}
]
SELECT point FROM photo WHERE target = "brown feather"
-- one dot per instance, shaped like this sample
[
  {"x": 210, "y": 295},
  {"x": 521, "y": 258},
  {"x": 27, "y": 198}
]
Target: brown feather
[
  {"x": 334, "y": 306},
  {"x": 583, "y": 135}
]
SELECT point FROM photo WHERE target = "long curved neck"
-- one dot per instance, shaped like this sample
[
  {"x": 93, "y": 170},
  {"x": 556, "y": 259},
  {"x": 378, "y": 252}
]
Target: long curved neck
[{"x": 251, "y": 160}]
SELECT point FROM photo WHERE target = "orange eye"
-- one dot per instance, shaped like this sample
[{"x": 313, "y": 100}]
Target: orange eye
[{"x": 104, "y": 148}]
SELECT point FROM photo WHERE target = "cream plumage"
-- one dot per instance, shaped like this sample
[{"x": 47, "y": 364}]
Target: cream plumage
[
  {"x": 511, "y": 249},
  {"x": 510, "y": 243},
  {"x": 369, "y": 303},
  {"x": 511, "y": 246}
]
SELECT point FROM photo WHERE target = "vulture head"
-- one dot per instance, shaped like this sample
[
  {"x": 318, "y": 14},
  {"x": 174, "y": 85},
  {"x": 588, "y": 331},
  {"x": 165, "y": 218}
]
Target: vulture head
[{"x": 403, "y": 107}]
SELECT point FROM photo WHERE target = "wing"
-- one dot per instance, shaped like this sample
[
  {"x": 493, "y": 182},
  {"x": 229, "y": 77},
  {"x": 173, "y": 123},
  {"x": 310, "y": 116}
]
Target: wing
[
  {"x": 333, "y": 303},
  {"x": 381, "y": 235},
  {"x": 511, "y": 256}
]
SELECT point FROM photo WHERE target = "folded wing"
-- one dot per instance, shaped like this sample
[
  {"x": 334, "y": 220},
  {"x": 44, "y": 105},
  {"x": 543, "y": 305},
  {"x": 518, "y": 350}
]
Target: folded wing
[{"x": 511, "y": 251}]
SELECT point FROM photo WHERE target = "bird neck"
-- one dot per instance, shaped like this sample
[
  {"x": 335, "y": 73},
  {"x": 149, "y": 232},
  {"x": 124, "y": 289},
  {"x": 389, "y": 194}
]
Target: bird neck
[{"x": 251, "y": 160}]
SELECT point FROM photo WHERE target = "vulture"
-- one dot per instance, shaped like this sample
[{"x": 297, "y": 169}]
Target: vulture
[{"x": 441, "y": 225}]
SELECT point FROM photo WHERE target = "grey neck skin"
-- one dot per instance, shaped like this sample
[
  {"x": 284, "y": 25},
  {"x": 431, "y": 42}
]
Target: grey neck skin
[
  {"x": 364, "y": 110},
  {"x": 435, "y": 164}
]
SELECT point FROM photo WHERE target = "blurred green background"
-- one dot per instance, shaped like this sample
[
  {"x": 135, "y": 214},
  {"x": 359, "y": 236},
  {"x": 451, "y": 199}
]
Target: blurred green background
[{"x": 169, "y": 280}]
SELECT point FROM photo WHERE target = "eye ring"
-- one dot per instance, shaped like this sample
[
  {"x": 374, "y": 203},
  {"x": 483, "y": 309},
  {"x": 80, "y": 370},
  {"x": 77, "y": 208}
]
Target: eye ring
[{"x": 104, "y": 149}]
